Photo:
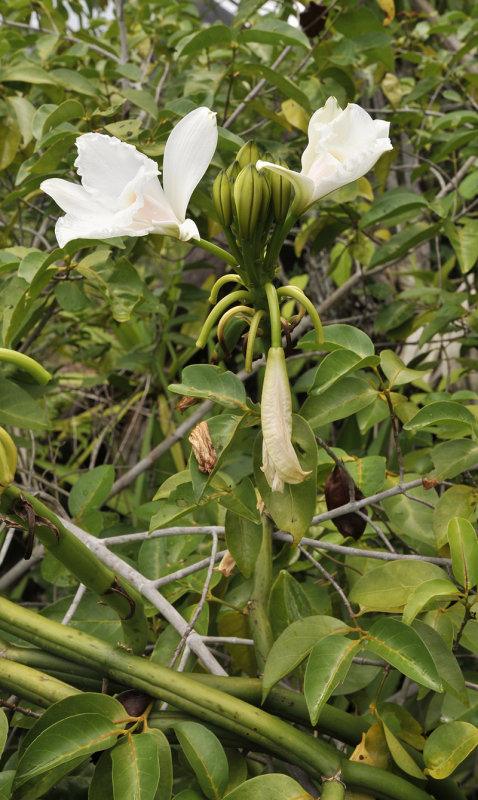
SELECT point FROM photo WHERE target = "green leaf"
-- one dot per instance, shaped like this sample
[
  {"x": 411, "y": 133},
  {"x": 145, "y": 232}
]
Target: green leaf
[
  {"x": 450, "y": 419},
  {"x": 464, "y": 552},
  {"x": 206, "y": 756},
  {"x": 336, "y": 365},
  {"x": 143, "y": 99},
  {"x": 66, "y": 111},
  {"x": 445, "y": 661},
  {"x": 208, "y": 382},
  {"x": 101, "y": 786},
  {"x": 165, "y": 786},
  {"x": 400, "y": 755},
  {"x": 275, "y": 32},
  {"x": 456, "y": 501},
  {"x": 217, "y": 34},
  {"x": 388, "y": 587},
  {"x": 410, "y": 518},
  {"x": 135, "y": 770},
  {"x": 243, "y": 540},
  {"x": 71, "y": 79},
  {"x": 451, "y": 458},
  {"x": 392, "y": 207},
  {"x": 24, "y": 112},
  {"x": 269, "y": 787},
  {"x": 340, "y": 337},
  {"x": 18, "y": 408},
  {"x": 3, "y": 730},
  {"x": 327, "y": 666},
  {"x": 403, "y": 648},
  {"x": 27, "y": 73},
  {"x": 91, "y": 490},
  {"x": 10, "y": 138},
  {"x": 396, "y": 371},
  {"x": 292, "y": 509},
  {"x": 285, "y": 86},
  {"x": 287, "y": 602},
  {"x": 425, "y": 593},
  {"x": 447, "y": 746},
  {"x": 404, "y": 241},
  {"x": 341, "y": 400},
  {"x": 464, "y": 240},
  {"x": 67, "y": 740},
  {"x": 294, "y": 644}
]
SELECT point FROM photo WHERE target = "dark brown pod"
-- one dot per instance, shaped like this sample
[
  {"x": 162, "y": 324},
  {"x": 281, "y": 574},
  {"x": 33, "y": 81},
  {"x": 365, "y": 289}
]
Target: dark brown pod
[
  {"x": 134, "y": 702},
  {"x": 312, "y": 19},
  {"x": 337, "y": 494}
]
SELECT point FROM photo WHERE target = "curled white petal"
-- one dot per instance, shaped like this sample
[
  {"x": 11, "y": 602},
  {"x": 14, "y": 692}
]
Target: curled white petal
[
  {"x": 280, "y": 462},
  {"x": 343, "y": 146}
]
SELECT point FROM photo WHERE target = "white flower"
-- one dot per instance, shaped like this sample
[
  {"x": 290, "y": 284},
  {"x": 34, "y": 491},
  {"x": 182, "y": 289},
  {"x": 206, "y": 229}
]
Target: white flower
[
  {"x": 343, "y": 146},
  {"x": 279, "y": 460},
  {"x": 120, "y": 193}
]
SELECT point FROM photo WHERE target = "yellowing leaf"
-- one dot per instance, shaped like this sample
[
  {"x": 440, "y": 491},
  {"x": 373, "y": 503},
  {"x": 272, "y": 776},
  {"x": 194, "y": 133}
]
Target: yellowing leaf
[
  {"x": 392, "y": 89},
  {"x": 388, "y": 6},
  {"x": 295, "y": 115},
  {"x": 361, "y": 753}
]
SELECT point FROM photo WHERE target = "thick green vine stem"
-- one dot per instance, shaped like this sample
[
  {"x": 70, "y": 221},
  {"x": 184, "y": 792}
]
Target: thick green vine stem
[
  {"x": 33, "y": 685},
  {"x": 218, "y": 311},
  {"x": 258, "y": 603},
  {"x": 84, "y": 565},
  {"x": 26, "y": 363},
  {"x": 333, "y": 789}
]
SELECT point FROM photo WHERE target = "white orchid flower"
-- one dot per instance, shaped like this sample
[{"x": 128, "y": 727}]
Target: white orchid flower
[
  {"x": 120, "y": 193},
  {"x": 280, "y": 464},
  {"x": 343, "y": 146}
]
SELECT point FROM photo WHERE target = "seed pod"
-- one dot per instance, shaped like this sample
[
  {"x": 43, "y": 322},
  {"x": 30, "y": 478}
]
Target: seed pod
[
  {"x": 135, "y": 703},
  {"x": 221, "y": 197},
  {"x": 248, "y": 154},
  {"x": 337, "y": 494},
  {"x": 248, "y": 200},
  {"x": 203, "y": 447}
]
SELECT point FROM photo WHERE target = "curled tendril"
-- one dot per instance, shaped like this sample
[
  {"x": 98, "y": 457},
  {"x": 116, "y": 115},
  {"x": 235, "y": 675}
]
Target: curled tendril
[
  {"x": 217, "y": 313},
  {"x": 233, "y": 278},
  {"x": 301, "y": 297},
  {"x": 253, "y": 329},
  {"x": 221, "y": 328}
]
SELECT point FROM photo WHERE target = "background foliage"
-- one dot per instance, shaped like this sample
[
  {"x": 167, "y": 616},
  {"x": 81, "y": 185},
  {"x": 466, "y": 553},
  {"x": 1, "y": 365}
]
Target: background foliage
[{"x": 380, "y": 651}]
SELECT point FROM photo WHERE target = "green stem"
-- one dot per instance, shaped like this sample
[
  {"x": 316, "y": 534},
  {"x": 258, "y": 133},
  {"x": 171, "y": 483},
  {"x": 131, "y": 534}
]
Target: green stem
[
  {"x": 333, "y": 790},
  {"x": 277, "y": 240},
  {"x": 274, "y": 315},
  {"x": 261, "y": 588},
  {"x": 216, "y": 251},
  {"x": 252, "y": 338},
  {"x": 32, "y": 684},
  {"x": 76, "y": 557},
  {"x": 233, "y": 278},
  {"x": 217, "y": 312},
  {"x": 26, "y": 363},
  {"x": 301, "y": 297}
]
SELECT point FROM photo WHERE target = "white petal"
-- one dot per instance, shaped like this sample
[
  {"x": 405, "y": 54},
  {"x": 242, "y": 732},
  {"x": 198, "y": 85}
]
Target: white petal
[
  {"x": 303, "y": 186},
  {"x": 101, "y": 227},
  {"x": 188, "y": 152},
  {"x": 71, "y": 197},
  {"x": 107, "y": 167}
]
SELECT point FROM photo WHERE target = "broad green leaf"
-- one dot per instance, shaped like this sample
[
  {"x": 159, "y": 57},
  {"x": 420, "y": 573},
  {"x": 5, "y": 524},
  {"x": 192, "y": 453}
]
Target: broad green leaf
[
  {"x": 464, "y": 552},
  {"x": 285, "y": 86},
  {"x": 269, "y": 787},
  {"x": 388, "y": 587},
  {"x": 287, "y": 602},
  {"x": 24, "y": 112},
  {"x": 341, "y": 400},
  {"x": 71, "y": 79},
  {"x": 403, "y": 648},
  {"x": 67, "y": 740},
  {"x": 27, "y": 73},
  {"x": 294, "y": 644},
  {"x": 3, "y": 730},
  {"x": 217, "y": 34},
  {"x": 69, "y": 109},
  {"x": 336, "y": 365},
  {"x": 206, "y": 756},
  {"x": 243, "y": 540},
  {"x": 141, "y": 98},
  {"x": 292, "y": 510},
  {"x": 91, "y": 490},
  {"x": 135, "y": 770},
  {"x": 424, "y": 594},
  {"x": 404, "y": 241},
  {"x": 6, "y": 781},
  {"x": 10, "y": 138},
  {"x": 208, "y": 382},
  {"x": 458, "y": 501},
  {"x": 396, "y": 371},
  {"x": 395, "y": 205},
  {"x": 447, "y": 746},
  {"x": 410, "y": 518},
  {"x": 165, "y": 785},
  {"x": 445, "y": 661},
  {"x": 400, "y": 755},
  {"x": 274, "y": 31},
  {"x": 451, "y": 458},
  {"x": 101, "y": 786},
  {"x": 340, "y": 337},
  {"x": 18, "y": 408},
  {"x": 328, "y": 664},
  {"x": 464, "y": 240},
  {"x": 449, "y": 419}
]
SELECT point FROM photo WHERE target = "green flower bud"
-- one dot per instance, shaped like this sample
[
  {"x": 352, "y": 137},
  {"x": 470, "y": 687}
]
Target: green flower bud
[
  {"x": 281, "y": 190},
  {"x": 248, "y": 154},
  {"x": 233, "y": 170},
  {"x": 248, "y": 200},
  {"x": 266, "y": 195},
  {"x": 222, "y": 199}
]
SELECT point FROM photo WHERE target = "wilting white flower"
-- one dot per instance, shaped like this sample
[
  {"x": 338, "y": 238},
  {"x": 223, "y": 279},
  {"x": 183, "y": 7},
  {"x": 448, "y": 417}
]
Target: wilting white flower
[
  {"x": 279, "y": 460},
  {"x": 343, "y": 146},
  {"x": 120, "y": 193}
]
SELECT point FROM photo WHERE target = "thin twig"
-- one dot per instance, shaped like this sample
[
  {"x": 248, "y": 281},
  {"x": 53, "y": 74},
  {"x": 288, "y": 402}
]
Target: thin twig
[
  {"x": 74, "y": 604},
  {"x": 282, "y": 536},
  {"x": 185, "y": 571},
  {"x": 256, "y": 90},
  {"x": 331, "y": 580}
]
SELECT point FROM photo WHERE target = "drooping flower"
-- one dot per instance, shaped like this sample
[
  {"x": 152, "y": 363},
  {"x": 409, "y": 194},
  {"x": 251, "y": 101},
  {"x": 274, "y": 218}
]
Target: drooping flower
[
  {"x": 120, "y": 193},
  {"x": 280, "y": 464},
  {"x": 344, "y": 144}
]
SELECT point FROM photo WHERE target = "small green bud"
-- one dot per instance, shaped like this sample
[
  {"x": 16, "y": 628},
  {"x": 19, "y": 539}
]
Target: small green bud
[
  {"x": 248, "y": 154},
  {"x": 233, "y": 170},
  {"x": 266, "y": 195},
  {"x": 248, "y": 200},
  {"x": 222, "y": 199},
  {"x": 281, "y": 190}
]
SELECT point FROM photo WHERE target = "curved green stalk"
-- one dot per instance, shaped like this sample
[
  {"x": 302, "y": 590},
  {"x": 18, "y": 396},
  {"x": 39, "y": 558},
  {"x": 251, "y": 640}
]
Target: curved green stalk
[
  {"x": 217, "y": 312},
  {"x": 216, "y": 251},
  {"x": 274, "y": 315},
  {"x": 252, "y": 338},
  {"x": 26, "y": 363},
  {"x": 123, "y": 598},
  {"x": 33, "y": 685},
  {"x": 301, "y": 297},
  {"x": 232, "y": 278},
  {"x": 228, "y": 315},
  {"x": 261, "y": 588}
]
